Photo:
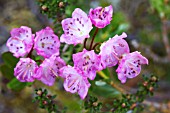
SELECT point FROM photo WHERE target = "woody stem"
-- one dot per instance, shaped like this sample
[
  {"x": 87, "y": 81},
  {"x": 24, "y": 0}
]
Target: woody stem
[
  {"x": 30, "y": 53},
  {"x": 96, "y": 45},
  {"x": 116, "y": 86},
  {"x": 95, "y": 33},
  {"x": 112, "y": 83},
  {"x": 85, "y": 43}
]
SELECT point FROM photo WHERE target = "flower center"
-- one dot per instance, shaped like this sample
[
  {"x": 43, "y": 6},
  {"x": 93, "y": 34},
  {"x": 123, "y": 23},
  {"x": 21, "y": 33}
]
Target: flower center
[{"x": 87, "y": 63}]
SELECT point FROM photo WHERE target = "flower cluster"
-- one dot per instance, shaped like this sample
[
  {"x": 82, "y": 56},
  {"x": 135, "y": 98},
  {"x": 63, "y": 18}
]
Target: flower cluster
[
  {"x": 129, "y": 64},
  {"x": 86, "y": 63},
  {"x": 46, "y": 44}
]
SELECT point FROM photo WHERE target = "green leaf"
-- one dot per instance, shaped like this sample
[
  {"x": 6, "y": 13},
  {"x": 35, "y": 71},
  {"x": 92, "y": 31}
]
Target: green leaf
[
  {"x": 9, "y": 59},
  {"x": 6, "y": 71},
  {"x": 39, "y": 58},
  {"x": 16, "y": 85},
  {"x": 106, "y": 91}
]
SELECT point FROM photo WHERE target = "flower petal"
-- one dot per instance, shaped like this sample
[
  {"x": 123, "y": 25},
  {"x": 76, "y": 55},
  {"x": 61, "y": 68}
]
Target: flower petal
[
  {"x": 130, "y": 65},
  {"x": 88, "y": 62},
  {"x": 74, "y": 81},
  {"x": 112, "y": 50},
  {"x": 77, "y": 28},
  {"x": 25, "y": 70},
  {"x": 49, "y": 69},
  {"x": 46, "y": 42},
  {"x": 101, "y": 17}
]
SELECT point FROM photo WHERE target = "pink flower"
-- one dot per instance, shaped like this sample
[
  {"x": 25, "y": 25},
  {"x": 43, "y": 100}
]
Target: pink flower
[
  {"x": 49, "y": 69},
  {"x": 88, "y": 62},
  {"x": 101, "y": 17},
  {"x": 25, "y": 70},
  {"x": 46, "y": 42},
  {"x": 112, "y": 50},
  {"x": 75, "y": 81},
  {"x": 21, "y": 41},
  {"x": 77, "y": 28},
  {"x": 130, "y": 66}
]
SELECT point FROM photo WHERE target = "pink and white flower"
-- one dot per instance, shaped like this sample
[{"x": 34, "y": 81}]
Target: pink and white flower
[
  {"x": 130, "y": 65},
  {"x": 75, "y": 81},
  {"x": 77, "y": 28},
  {"x": 88, "y": 62},
  {"x": 101, "y": 17},
  {"x": 46, "y": 42},
  {"x": 25, "y": 70},
  {"x": 112, "y": 50},
  {"x": 49, "y": 69},
  {"x": 21, "y": 41}
]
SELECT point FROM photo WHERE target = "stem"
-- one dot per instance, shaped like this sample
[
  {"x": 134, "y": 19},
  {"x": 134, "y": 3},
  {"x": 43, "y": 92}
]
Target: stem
[
  {"x": 111, "y": 83},
  {"x": 117, "y": 87},
  {"x": 102, "y": 74},
  {"x": 96, "y": 45},
  {"x": 85, "y": 43},
  {"x": 95, "y": 33},
  {"x": 165, "y": 37},
  {"x": 40, "y": 61},
  {"x": 30, "y": 53}
]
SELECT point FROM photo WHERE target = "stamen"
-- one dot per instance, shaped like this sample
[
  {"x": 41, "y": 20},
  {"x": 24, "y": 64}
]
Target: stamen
[
  {"x": 72, "y": 28},
  {"x": 101, "y": 11},
  {"x": 116, "y": 56},
  {"x": 53, "y": 71},
  {"x": 72, "y": 83}
]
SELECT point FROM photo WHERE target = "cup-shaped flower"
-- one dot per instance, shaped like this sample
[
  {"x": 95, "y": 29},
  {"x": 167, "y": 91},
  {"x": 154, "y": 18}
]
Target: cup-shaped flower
[
  {"x": 112, "y": 50},
  {"x": 130, "y": 66},
  {"x": 46, "y": 42},
  {"x": 75, "y": 81},
  {"x": 49, "y": 69},
  {"x": 88, "y": 62},
  {"x": 25, "y": 70},
  {"x": 101, "y": 17},
  {"x": 77, "y": 28},
  {"x": 21, "y": 41}
]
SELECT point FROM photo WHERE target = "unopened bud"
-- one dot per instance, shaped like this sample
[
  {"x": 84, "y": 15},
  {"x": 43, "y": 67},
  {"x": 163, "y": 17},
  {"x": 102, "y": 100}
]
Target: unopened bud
[
  {"x": 123, "y": 105},
  {"x": 145, "y": 83},
  {"x": 95, "y": 104},
  {"x": 151, "y": 89},
  {"x": 39, "y": 92},
  {"x": 44, "y": 102},
  {"x": 61, "y": 4},
  {"x": 44, "y": 8},
  {"x": 48, "y": 96},
  {"x": 154, "y": 79},
  {"x": 128, "y": 96}
]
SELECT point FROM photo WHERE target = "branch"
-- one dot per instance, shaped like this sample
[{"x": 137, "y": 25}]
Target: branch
[{"x": 165, "y": 37}]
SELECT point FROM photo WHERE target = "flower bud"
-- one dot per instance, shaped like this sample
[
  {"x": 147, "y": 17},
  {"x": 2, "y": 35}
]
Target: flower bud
[
  {"x": 145, "y": 83},
  {"x": 45, "y": 102},
  {"x": 39, "y": 92},
  {"x": 49, "y": 96},
  {"x": 95, "y": 104},
  {"x": 61, "y": 4},
  {"x": 154, "y": 79},
  {"x": 151, "y": 89},
  {"x": 123, "y": 105},
  {"x": 128, "y": 96},
  {"x": 44, "y": 8}
]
